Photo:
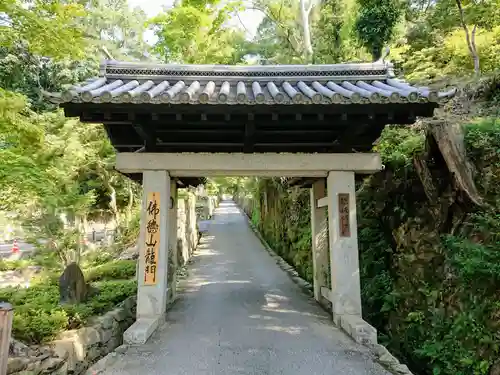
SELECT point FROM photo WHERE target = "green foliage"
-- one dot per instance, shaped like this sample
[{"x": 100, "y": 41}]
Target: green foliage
[
  {"x": 47, "y": 27},
  {"x": 11, "y": 265},
  {"x": 191, "y": 32},
  {"x": 118, "y": 269},
  {"x": 38, "y": 317},
  {"x": 431, "y": 293},
  {"x": 113, "y": 24},
  {"x": 397, "y": 145},
  {"x": 482, "y": 139},
  {"x": 450, "y": 56},
  {"x": 30, "y": 75},
  {"x": 332, "y": 33},
  {"x": 290, "y": 238},
  {"x": 432, "y": 43},
  {"x": 375, "y": 23}
]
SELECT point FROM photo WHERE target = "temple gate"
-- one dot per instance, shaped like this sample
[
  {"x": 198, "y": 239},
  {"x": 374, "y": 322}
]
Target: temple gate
[{"x": 172, "y": 125}]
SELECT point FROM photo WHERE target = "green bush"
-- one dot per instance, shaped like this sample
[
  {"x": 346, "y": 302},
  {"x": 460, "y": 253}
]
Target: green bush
[
  {"x": 38, "y": 317},
  {"x": 11, "y": 265},
  {"x": 118, "y": 269},
  {"x": 431, "y": 290},
  {"x": 97, "y": 258}
]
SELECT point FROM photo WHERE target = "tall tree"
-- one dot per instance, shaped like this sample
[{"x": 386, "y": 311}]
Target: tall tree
[
  {"x": 279, "y": 36},
  {"x": 45, "y": 27},
  {"x": 113, "y": 25},
  {"x": 333, "y": 42},
  {"x": 305, "y": 12},
  {"x": 197, "y": 32},
  {"x": 375, "y": 23}
]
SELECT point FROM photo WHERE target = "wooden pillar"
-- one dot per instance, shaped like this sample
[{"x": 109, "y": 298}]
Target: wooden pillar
[
  {"x": 6, "y": 317},
  {"x": 319, "y": 231},
  {"x": 343, "y": 241},
  {"x": 153, "y": 257}
]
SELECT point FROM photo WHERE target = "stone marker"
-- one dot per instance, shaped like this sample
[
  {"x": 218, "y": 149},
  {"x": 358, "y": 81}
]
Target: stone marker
[{"x": 72, "y": 285}]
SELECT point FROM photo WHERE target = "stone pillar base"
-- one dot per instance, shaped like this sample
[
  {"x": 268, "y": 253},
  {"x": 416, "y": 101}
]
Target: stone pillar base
[{"x": 139, "y": 332}]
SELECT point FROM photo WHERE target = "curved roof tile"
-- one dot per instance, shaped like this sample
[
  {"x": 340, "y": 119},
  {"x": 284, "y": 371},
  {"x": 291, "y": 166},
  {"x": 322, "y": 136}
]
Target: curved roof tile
[{"x": 135, "y": 83}]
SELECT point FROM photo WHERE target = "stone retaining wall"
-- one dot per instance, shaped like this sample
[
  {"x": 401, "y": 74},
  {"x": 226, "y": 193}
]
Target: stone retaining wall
[{"x": 75, "y": 350}]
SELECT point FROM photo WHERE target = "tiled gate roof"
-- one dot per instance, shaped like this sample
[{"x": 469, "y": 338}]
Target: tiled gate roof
[{"x": 357, "y": 83}]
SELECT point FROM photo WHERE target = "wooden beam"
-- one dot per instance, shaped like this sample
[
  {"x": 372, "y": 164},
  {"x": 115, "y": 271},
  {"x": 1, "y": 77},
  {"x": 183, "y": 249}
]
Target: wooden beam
[{"x": 249, "y": 137}]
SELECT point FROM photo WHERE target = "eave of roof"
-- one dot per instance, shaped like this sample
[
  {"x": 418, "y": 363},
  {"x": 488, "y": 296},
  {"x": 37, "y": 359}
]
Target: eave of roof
[{"x": 137, "y": 83}]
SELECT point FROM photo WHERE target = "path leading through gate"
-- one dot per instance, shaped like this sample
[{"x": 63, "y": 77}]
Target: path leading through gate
[{"x": 239, "y": 313}]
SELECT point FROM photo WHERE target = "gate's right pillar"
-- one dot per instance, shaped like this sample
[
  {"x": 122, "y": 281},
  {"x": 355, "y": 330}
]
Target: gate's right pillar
[{"x": 343, "y": 244}]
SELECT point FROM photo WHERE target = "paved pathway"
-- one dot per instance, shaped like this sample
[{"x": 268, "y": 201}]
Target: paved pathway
[{"x": 239, "y": 313}]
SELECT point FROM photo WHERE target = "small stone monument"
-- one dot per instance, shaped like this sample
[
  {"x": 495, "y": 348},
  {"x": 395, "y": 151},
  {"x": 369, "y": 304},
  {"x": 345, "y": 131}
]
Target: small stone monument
[{"x": 72, "y": 286}]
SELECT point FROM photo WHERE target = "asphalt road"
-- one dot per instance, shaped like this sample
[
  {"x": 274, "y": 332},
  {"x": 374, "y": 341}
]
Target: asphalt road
[
  {"x": 26, "y": 249},
  {"x": 6, "y": 249},
  {"x": 239, "y": 313}
]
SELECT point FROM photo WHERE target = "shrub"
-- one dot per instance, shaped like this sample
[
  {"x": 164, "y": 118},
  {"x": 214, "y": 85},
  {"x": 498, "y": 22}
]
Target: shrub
[
  {"x": 11, "y": 265},
  {"x": 38, "y": 317},
  {"x": 118, "y": 269}
]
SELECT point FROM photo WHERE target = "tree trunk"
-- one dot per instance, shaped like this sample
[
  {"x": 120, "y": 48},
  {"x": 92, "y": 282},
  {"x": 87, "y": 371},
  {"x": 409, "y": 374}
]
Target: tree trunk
[
  {"x": 114, "y": 207},
  {"x": 130, "y": 204},
  {"x": 306, "y": 30},
  {"x": 450, "y": 141},
  {"x": 470, "y": 38}
]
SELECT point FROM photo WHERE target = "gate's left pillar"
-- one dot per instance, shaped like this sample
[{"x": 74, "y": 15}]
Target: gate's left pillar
[{"x": 152, "y": 274}]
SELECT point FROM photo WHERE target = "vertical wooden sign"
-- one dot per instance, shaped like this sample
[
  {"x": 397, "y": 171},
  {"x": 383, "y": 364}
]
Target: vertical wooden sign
[
  {"x": 152, "y": 241},
  {"x": 344, "y": 226}
]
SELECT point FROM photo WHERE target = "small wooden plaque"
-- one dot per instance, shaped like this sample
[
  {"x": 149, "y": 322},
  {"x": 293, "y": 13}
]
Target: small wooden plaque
[{"x": 344, "y": 226}]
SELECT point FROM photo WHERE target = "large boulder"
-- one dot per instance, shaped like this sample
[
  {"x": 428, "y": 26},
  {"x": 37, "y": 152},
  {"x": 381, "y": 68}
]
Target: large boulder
[{"x": 72, "y": 286}]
